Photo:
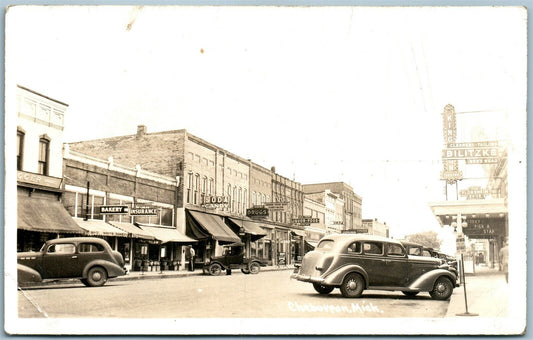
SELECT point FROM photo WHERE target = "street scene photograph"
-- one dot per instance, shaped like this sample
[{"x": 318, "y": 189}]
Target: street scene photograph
[{"x": 265, "y": 170}]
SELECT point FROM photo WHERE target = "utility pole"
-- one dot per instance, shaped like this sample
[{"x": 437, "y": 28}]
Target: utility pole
[{"x": 87, "y": 202}]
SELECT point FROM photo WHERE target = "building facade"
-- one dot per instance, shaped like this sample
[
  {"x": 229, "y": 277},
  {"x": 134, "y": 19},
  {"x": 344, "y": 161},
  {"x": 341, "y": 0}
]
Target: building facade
[
  {"x": 132, "y": 209},
  {"x": 352, "y": 203},
  {"x": 40, "y": 214},
  {"x": 217, "y": 189},
  {"x": 374, "y": 227},
  {"x": 314, "y": 232}
]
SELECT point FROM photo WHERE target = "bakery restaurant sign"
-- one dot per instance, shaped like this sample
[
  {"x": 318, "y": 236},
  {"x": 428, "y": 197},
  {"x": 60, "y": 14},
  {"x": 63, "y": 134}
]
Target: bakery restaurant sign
[{"x": 37, "y": 179}]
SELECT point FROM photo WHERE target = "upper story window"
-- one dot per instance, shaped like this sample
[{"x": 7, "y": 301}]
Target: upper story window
[
  {"x": 20, "y": 149},
  {"x": 44, "y": 154}
]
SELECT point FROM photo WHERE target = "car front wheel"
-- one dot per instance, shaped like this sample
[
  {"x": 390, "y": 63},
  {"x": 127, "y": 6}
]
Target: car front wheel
[
  {"x": 245, "y": 270},
  {"x": 442, "y": 289},
  {"x": 254, "y": 268},
  {"x": 321, "y": 289},
  {"x": 352, "y": 286},
  {"x": 96, "y": 277},
  {"x": 215, "y": 269}
]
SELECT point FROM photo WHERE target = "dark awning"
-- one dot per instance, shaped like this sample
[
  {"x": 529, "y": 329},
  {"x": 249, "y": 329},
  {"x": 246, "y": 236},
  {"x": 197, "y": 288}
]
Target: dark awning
[
  {"x": 252, "y": 228},
  {"x": 100, "y": 228},
  {"x": 202, "y": 226},
  {"x": 166, "y": 234},
  {"x": 132, "y": 230},
  {"x": 46, "y": 216},
  {"x": 311, "y": 244}
]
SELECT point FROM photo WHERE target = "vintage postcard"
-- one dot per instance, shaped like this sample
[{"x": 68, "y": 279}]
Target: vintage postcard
[{"x": 265, "y": 170}]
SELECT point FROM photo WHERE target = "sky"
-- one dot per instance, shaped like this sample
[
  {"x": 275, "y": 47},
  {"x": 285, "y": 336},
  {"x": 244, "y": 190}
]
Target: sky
[{"x": 324, "y": 94}]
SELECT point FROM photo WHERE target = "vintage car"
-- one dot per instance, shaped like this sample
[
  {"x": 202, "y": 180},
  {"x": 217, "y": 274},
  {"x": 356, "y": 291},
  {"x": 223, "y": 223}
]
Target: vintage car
[
  {"x": 355, "y": 262},
  {"x": 90, "y": 259},
  {"x": 415, "y": 249},
  {"x": 232, "y": 258}
]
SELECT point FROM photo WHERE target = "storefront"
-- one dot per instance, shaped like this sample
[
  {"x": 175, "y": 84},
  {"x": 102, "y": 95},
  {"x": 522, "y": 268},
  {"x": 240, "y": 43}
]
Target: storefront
[
  {"x": 40, "y": 218},
  {"x": 210, "y": 231},
  {"x": 250, "y": 232}
]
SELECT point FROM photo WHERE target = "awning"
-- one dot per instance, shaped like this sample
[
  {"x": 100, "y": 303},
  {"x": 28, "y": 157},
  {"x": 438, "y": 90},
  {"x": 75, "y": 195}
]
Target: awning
[
  {"x": 298, "y": 232},
  {"x": 100, "y": 228},
  {"x": 203, "y": 226},
  {"x": 166, "y": 234},
  {"x": 252, "y": 228},
  {"x": 45, "y": 215},
  {"x": 132, "y": 230}
]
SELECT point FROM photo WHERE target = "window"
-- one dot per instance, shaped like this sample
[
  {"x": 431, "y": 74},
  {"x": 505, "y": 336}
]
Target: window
[
  {"x": 414, "y": 251},
  {"x": 373, "y": 248},
  {"x": 395, "y": 250},
  {"x": 325, "y": 244},
  {"x": 61, "y": 248},
  {"x": 355, "y": 248},
  {"x": 44, "y": 145},
  {"x": 20, "y": 149},
  {"x": 90, "y": 248},
  {"x": 189, "y": 187},
  {"x": 211, "y": 186},
  {"x": 196, "y": 188}
]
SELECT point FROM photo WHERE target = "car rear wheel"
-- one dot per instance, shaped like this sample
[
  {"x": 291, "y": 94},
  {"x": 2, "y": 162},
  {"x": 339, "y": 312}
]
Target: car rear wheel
[
  {"x": 215, "y": 269},
  {"x": 321, "y": 289},
  {"x": 442, "y": 289},
  {"x": 352, "y": 286},
  {"x": 410, "y": 293},
  {"x": 245, "y": 270},
  {"x": 254, "y": 268},
  {"x": 97, "y": 276},
  {"x": 85, "y": 282}
]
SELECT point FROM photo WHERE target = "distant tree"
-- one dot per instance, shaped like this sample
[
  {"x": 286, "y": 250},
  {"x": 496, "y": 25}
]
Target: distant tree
[{"x": 426, "y": 238}]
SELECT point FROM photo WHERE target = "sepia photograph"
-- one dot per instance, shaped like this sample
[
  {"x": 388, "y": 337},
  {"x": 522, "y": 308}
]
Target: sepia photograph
[{"x": 265, "y": 170}]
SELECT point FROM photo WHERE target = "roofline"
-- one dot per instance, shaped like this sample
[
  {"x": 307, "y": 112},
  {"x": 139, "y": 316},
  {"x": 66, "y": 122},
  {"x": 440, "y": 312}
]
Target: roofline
[{"x": 41, "y": 95}]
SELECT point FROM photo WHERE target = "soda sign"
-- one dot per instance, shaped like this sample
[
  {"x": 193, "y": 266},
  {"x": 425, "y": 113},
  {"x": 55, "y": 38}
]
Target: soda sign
[{"x": 215, "y": 200}]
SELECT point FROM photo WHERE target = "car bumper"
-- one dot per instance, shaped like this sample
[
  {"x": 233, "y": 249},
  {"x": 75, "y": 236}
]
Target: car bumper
[{"x": 307, "y": 278}]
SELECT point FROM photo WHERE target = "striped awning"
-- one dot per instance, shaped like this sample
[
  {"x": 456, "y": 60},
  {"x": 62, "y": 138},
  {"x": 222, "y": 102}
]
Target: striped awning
[
  {"x": 166, "y": 234},
  {"x": 100, "y": 228},
  {"x": 132, "y": 230}
]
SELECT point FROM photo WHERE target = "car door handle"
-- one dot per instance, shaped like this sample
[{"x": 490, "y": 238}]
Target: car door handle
[{"x": 74, "y": 256}]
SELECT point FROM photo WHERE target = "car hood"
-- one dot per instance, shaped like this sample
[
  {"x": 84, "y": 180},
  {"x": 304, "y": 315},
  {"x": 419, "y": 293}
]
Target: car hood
[{"x": 425, "y": 259}]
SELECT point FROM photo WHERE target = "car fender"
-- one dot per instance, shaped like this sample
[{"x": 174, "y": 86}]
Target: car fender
[
  {"x": 112, "y": 269},
  {"x": 427, "y": 280},
  {"x": 27, "y": 274},
  {"x": 336, "y": 278}
]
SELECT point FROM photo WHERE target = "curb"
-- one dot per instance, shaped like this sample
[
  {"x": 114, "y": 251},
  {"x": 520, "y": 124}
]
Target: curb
[{"x": 147, "y": 276}]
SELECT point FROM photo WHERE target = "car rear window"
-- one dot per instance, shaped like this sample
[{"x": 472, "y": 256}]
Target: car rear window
[
  {"x": 325, "y": 244},
  {"x": 90, "y": 247},
  {"x": 355, "y": 248}
]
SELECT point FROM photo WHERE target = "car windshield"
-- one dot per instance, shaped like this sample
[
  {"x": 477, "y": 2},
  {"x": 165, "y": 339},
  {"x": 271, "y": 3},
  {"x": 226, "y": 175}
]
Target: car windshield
[{"x": 325, "y": 244}]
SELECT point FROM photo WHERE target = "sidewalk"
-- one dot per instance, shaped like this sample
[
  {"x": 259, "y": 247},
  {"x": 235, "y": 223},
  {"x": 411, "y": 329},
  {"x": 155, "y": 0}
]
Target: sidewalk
[
  {"x": 153, "y": 275},
  {"x": 487, "y": 294}
]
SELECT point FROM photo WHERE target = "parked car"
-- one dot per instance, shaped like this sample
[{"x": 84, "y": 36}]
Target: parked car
[
  {"x": 415, "y": 249},
  {"x": 90, "y": 259},
  {"x": 355, "y": 262},
  {"x": 232, "y": 258}
]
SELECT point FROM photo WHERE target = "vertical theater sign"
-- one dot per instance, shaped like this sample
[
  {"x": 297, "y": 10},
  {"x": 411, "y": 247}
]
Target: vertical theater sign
[{"x": 478, "y": 213}]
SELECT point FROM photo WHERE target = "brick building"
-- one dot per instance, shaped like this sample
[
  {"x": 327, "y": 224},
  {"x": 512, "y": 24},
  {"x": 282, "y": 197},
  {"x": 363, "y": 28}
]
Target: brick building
[
  {"x": 216, "y": 189},
  {"x": 143, "y": 226}
]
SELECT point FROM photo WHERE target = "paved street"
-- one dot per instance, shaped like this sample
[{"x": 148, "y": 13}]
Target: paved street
[{"x": 268, "y": 294}]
